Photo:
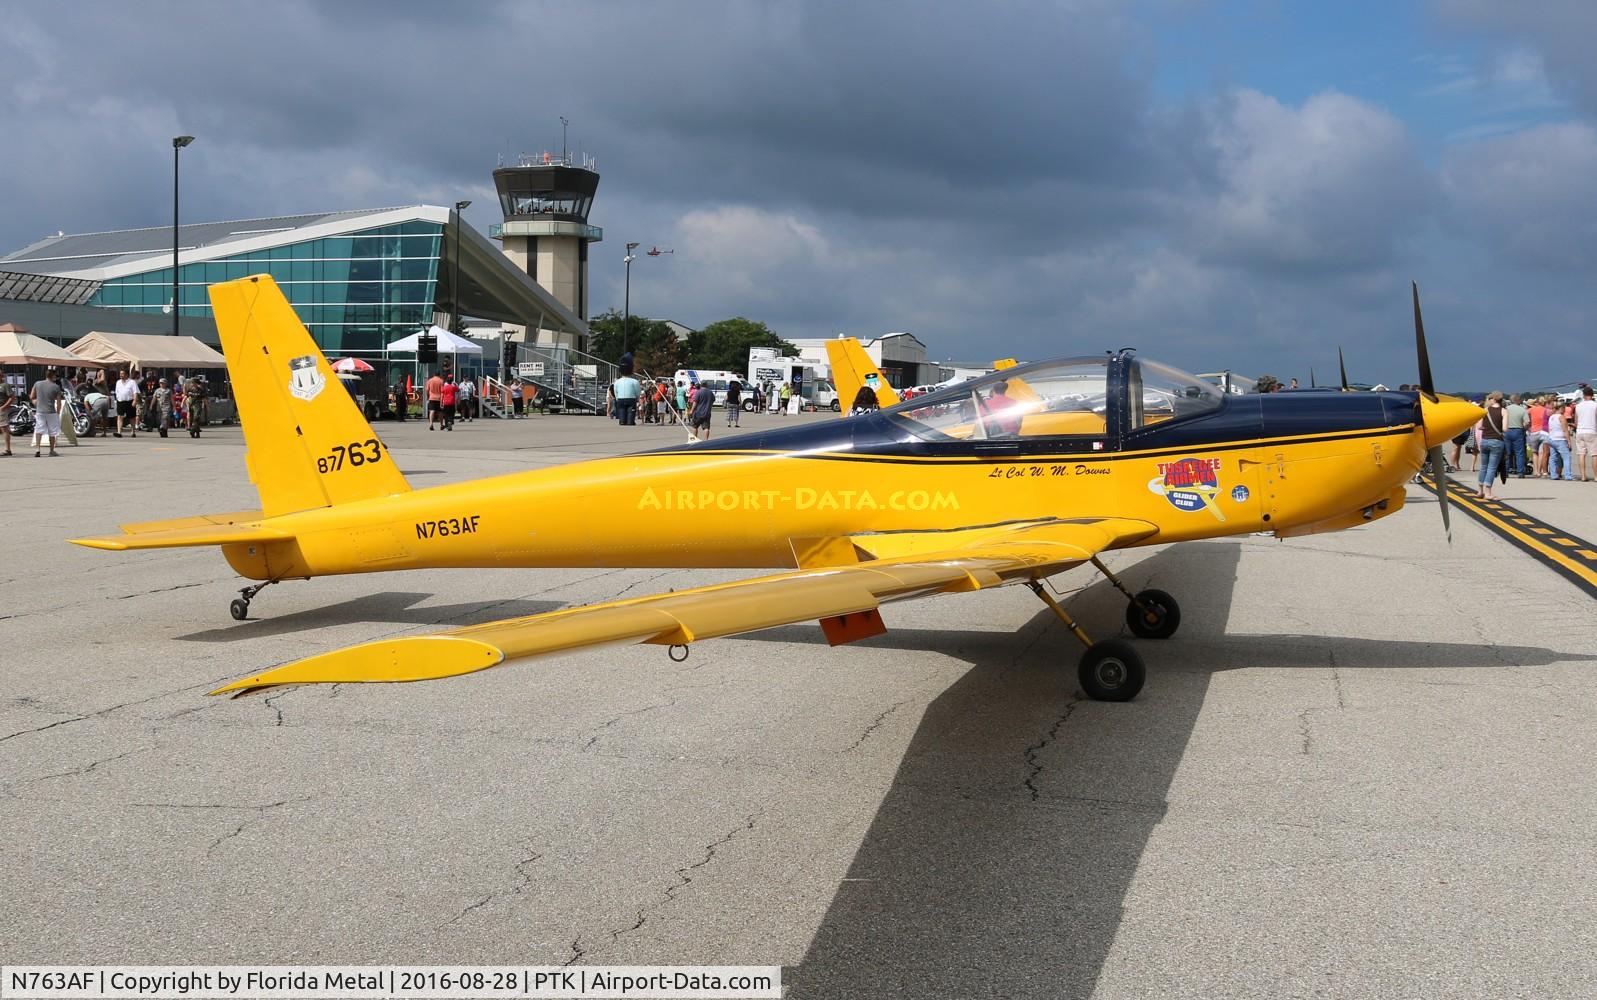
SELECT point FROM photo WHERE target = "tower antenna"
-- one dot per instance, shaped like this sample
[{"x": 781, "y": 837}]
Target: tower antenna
[{"x": 563, "y": 126}]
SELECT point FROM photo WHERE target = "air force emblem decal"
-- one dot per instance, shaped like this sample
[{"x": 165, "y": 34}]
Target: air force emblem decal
[{"x": 305, "y": 380}]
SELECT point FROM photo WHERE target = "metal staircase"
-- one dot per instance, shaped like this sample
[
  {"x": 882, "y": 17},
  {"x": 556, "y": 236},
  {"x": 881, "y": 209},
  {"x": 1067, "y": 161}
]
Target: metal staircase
[
  {"x": 494, "y": 397},
  {"x": 567, "y": 379}
]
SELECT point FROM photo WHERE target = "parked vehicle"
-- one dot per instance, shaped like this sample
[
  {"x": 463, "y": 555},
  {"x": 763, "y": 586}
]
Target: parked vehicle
[{"x": 21, "y": 417}]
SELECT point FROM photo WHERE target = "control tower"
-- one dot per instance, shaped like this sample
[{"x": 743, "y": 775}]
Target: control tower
[{"x": 545, "y": 200}]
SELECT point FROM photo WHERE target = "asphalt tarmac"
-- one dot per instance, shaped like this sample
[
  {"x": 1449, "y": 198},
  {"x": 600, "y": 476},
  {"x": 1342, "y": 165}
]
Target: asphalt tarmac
[{"x": 1363, "y": 767}]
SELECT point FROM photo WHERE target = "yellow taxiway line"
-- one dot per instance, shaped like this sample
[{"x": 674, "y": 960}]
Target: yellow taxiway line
[{"x": 1570, "y": 556}]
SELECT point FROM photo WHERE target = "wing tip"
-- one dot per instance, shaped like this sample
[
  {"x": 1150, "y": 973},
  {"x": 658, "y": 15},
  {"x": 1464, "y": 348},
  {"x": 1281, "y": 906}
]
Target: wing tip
[
  {"x": 108, "y": 543},
  {"x": 413, "y": 658}
]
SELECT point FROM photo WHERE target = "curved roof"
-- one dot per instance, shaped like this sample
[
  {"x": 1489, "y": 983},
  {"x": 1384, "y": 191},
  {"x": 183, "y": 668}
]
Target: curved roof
[{"x": 492, "y": 287}]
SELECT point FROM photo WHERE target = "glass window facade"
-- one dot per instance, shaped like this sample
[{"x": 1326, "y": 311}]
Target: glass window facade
[{"x": 355, "y": 293}]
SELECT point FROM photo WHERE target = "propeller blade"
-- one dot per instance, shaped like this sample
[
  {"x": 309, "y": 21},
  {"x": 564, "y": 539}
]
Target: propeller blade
[
  {"x": 1427, "y": 385},
  {"x": 1312, "y": 383},
  {"x": 1342, "y": 365},
  {"x": 1439, "y": 477}
]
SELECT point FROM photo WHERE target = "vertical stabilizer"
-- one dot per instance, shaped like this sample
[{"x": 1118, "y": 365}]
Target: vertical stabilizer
[
  {"x": 308, "y": 444},
  {"x": 851, "y": 366}
]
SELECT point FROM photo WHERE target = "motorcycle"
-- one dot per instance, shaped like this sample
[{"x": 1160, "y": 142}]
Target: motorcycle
[
  {"x": 79, "y": 414},
  {"x": 21, "y": 418}
]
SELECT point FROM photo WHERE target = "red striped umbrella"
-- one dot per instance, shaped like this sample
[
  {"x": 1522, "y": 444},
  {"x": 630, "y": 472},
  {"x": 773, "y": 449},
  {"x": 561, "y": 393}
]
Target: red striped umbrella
[{"x": 351, "y": 365}]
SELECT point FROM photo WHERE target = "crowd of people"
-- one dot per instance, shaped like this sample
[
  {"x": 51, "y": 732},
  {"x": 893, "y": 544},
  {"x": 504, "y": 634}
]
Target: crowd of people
[
  {"x": 152, "y": 403},
  {"x": 1540, "y": 437},
  {"x": 630, "y": 400}
]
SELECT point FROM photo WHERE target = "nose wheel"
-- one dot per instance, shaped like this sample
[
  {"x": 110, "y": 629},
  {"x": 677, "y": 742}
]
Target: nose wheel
[
  {"x": 240, "y": 606},
  {"x": 1153, "y": 614}
]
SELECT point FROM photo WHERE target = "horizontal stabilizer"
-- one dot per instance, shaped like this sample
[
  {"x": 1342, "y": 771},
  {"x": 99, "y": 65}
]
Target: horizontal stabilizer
[{"x": 213, "y": 529}]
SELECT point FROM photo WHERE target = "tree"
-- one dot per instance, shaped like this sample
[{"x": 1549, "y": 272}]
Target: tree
[
  {"x": 654, "y": 346},
  {"x": 724, "y": 345}
]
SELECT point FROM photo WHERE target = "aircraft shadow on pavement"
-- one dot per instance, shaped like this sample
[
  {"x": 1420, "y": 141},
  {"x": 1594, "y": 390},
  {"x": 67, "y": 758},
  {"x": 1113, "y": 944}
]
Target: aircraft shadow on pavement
[
  {"x": 1000, "y": 857},
  {"x": 396, "y": 607}
]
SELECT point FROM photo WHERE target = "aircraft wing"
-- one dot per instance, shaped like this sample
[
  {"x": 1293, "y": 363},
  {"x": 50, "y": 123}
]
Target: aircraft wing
[{"x": 885, "y": 567}]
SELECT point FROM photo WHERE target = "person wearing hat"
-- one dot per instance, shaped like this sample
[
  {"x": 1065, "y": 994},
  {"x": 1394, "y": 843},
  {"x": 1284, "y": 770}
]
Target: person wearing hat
[{"x": 162, "y": 398}]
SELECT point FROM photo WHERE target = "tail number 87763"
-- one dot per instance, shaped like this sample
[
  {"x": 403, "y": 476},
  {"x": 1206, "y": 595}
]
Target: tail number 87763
[{"x": 353, "y": 454}]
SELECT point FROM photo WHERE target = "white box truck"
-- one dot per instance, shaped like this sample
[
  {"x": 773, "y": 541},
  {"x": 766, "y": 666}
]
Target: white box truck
[{"x": 768, "y": 367}]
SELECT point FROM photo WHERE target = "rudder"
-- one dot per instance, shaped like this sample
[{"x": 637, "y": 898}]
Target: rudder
[
  {"x": 308, "y": 445},
  {"x": 850, "y": 366}
]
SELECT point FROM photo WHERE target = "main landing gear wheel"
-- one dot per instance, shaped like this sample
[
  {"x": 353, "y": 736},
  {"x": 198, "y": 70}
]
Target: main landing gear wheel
[
  {"x": 1153, "y": 614},
  {"x": 240, "y": 609},
  {"x": 1110, "y": 670}
]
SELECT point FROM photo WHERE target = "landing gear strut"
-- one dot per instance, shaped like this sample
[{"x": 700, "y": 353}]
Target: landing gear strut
[
  {"x": 1150, "y": 614},
  {"x": 240, "y": 608},
  {"x": 1110, "y": 670}
]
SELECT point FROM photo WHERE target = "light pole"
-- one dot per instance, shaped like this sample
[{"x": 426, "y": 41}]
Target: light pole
[
  {"x": 454, "y": 284},
  {"x": 177, "y": 143},
  {"x": 626, "y": 308}
]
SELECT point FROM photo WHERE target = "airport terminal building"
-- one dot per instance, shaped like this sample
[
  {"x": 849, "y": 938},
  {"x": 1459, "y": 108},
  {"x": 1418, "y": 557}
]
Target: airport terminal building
[{"x": 358, "y": 279}]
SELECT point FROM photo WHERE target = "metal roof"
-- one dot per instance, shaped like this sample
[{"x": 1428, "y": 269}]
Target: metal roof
[
  {"x": 20, "y": 287},
  {"x": 75, "y": 252},
  {"x": 494, "y": 287}
]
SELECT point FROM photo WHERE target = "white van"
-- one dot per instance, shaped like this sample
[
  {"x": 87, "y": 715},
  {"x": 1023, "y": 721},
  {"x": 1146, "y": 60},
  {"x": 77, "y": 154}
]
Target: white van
[{"x": 716, "y": 380}]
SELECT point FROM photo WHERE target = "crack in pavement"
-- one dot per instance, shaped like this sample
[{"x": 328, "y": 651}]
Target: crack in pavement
[
  {"x": 1303, "y": 731},
  {"x": 77, "y": 771},
  {"x": 685, "y": 879},
  {"x": 260, "y": 813},
  {"x": 594, "y": 734},
  {"x": 113, "y": 708},
  {"x": 163, "y": 590},
  {"x": 1032, "y": 759},
  {"x": 875, "y": 725},
  {"x": 1336, "y": 678},
  {"x": 268, "y": 702},
  {"x": 533, "y": 857},
  {"x": 576, "y": 952},
  {"x": 638, "y": 583}
]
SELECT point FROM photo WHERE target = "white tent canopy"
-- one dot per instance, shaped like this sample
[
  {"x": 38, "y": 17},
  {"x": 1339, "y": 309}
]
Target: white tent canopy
[
  {"x": 19, "y": 347},
  {"x": 141, "y": 351},
  {"x": 448, "y": 343}
]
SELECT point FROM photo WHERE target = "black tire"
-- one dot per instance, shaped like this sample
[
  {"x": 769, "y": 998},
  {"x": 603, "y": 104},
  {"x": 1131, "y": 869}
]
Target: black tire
[
  {"x": 239, "y": 609},
  {"x": 748, "y": 406},
  {"x": 1110, "y": 670},
  {"x": 837, "y": 406},
  {"x": 1167, "y": 615}
]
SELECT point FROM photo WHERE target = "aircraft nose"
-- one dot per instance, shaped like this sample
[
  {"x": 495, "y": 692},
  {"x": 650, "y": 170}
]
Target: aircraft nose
[{"x": 1446, "y": 417}]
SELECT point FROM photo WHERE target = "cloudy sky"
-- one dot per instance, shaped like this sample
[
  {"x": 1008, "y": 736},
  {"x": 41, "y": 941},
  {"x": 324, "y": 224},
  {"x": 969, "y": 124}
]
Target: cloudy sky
[{"x": 1239, "y": 184}]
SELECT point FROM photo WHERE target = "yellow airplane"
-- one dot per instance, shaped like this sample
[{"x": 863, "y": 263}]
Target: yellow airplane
[{"x": 1006, "y": 479}]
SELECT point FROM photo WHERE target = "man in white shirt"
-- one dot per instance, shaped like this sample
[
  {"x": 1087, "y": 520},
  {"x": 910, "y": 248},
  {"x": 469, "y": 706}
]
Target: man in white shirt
[
  {"x": 1586, "y": 433},
  {"x": 627, "y": 389},
  {"x": 127, "y": 393}
]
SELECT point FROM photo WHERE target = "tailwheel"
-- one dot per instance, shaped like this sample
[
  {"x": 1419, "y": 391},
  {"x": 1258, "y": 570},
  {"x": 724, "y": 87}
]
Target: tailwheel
[
  {"x": 1110, "y": 670},
  {"x": 240, "y": 607},
  {"x": 1153, "y": 614}
]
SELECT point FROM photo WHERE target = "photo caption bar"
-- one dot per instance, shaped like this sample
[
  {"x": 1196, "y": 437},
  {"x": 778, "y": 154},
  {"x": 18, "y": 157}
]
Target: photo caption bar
[{"x": 372, "y": 982}]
